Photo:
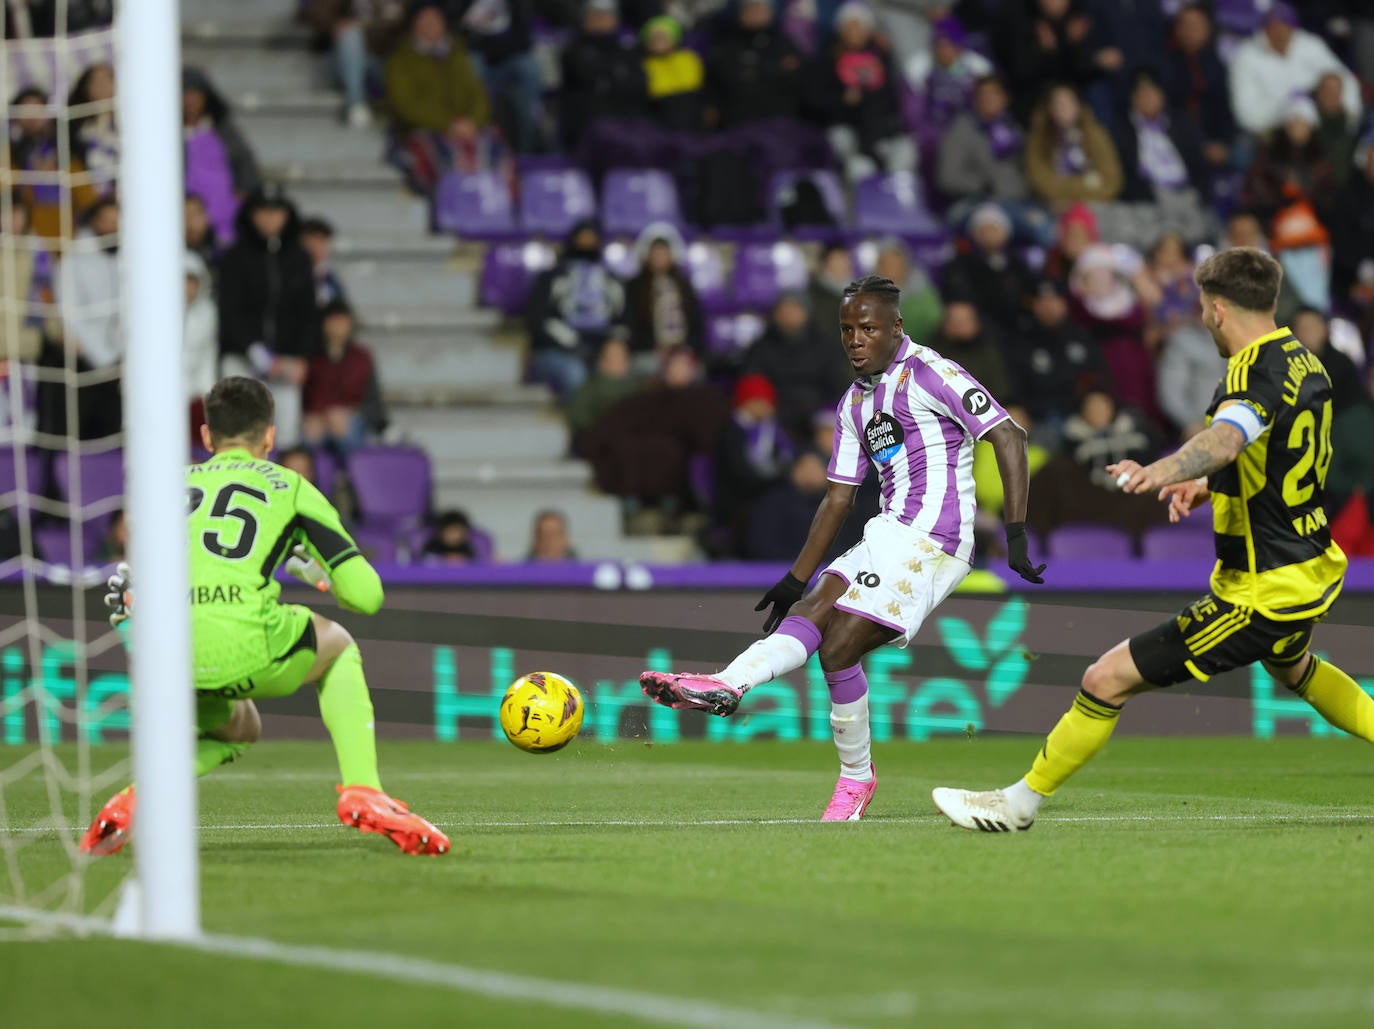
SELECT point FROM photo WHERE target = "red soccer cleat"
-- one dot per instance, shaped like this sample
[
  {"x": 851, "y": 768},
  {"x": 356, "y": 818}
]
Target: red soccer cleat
[
  {"x": 112, "y": 827},
  {"x": 373, "y": 811}
]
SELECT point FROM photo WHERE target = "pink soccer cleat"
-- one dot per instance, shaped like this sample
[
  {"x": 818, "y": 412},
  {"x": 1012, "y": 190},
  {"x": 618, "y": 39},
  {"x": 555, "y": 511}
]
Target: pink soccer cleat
[
  {"x": 113, "y": 826},
  {"x": 686, "y": 692},
  {"x": 850, "y": 799}
]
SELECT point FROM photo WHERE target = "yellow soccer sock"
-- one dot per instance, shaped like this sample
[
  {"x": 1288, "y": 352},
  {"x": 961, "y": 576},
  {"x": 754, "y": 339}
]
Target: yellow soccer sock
[
  {"x": 346, "y": 708},
  {"x": 1081, "y": 733},
  {"x": 1337, "y": 698}
]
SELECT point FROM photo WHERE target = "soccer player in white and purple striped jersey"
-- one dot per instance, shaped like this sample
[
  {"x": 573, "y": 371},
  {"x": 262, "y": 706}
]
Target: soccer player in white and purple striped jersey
[{"x": 913, "y": 416}]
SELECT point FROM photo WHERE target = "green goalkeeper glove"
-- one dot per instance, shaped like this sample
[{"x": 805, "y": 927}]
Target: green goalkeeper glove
[
  {"x": 304, "y": 567},
  {"x": 120, "y": 598}
]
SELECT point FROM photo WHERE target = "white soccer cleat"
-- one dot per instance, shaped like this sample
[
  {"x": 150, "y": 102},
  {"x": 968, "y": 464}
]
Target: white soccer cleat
[{"x": 989, "y": 811}]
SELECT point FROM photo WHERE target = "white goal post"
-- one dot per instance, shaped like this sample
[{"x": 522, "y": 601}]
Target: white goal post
[{"x": 148, "y": 74}]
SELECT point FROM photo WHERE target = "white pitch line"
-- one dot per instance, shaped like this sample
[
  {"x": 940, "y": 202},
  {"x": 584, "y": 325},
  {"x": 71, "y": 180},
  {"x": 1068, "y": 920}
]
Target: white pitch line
[
  {"x": 1267, "y": 818},
  {"x": 663, "y": 1009}
]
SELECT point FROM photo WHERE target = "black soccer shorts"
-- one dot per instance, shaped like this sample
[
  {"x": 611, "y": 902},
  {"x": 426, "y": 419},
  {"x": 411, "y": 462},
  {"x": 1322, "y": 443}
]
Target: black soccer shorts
[{"x": 1213, "y": 635}]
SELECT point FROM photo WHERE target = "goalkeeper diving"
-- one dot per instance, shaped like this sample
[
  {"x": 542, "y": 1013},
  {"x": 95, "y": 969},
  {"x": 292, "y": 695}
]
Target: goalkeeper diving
[{"x": 247, "y": 517}]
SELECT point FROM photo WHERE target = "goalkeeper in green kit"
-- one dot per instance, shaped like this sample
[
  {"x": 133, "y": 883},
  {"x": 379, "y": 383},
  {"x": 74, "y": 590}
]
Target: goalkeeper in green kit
[{"x": 247, "y": 517}]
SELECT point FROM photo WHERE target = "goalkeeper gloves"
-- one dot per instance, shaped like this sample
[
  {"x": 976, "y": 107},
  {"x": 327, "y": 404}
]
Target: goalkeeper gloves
[
  {"x": 1018, "y": 555},
  {"x": 304, "y": 567},
  {"x": 120, "y": 596}
]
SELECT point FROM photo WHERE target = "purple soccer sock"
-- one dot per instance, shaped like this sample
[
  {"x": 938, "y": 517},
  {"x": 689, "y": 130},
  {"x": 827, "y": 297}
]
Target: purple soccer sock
[
  {"x": 802, "y": 630},
  {"x": 847, "y": 684}
]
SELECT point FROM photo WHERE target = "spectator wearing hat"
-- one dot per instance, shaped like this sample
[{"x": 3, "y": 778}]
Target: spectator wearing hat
[
  {"x": 1074, "y": 231},
  {"x": 968, "y": 343},
  {"x": 946, "y": 75},
  {"x": 753, "y": 455},
  {"x": 268, "y": 321},
  {"x": 674, "y": 75},
  {"x": 1069, "y": 155},
  {"x": 981, "y": 155},
  {"x": 803, "y": 364},
  {"x": 338, "y": 382},
  {"x": 317, "y": 237},
  {"x": 1194, "y": 79},
  {"x": 220, "y": 167},
  {"x": 1160, "y": 155},
  {"x": 1104, "y": 302},
  {"x": 573, "y": 308},
  {"x": 438, "y": 103},
  {"x": 602, "y": 77},
  {"x": 753, "y": 69},
  {"x": 1053, "y": 359},
  {"x": 661, "y": 305},
  {"x": 852, "y": 92},
  {"x": 1279, "y": 61},
  {"x": 988, "y": 275},
  {"x": 1291, "y": 163}
]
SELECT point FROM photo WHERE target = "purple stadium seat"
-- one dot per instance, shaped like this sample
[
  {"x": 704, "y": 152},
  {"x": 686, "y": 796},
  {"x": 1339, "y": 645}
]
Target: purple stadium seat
[
  {"x": 632, "y": 198},
  {"x": 96, "y": 476},
  {"x": 475, "y": 205},
  {"x": 32, "y": 463},
  {"x": 378, "y": 545},
  {"x": 1103, "y": 542},
  {"x": 1173, "y": 543},
  {"x": 707, "y": 272},
  {"x": 508, "y": 271},
  {"x": 726, "y": 333},
  {"x": 781, "y": 189},
  {"x": 701, "y": 473},
  {"x": 764, "y": 270},
  {"x": 553, "y": 200},
  {"x": 894, "y": 205},
  {"x": 391, "y": 484},
  {"x": 326, "y": 471}
]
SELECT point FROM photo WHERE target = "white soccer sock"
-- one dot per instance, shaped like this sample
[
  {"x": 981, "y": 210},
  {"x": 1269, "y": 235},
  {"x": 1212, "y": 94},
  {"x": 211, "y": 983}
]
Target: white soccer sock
[
  {"x": 1022, "y": 798},
  {"x": 849, "y": 723},
  {"x": 765, "y": 659}
]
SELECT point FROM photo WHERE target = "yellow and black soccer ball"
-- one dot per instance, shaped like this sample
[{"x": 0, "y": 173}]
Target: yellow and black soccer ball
[{"x": 541, "y": 712}]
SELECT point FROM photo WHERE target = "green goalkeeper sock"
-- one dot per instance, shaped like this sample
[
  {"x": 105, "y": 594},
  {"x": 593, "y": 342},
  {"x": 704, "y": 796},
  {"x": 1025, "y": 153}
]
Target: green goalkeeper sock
[
  {"x": 346, "y": 709},
  {"x": 211, "y": 753}
]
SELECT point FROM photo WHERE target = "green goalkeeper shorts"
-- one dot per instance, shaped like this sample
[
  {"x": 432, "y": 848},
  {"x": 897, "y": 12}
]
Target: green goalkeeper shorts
[{"x": 282, "y": 677}]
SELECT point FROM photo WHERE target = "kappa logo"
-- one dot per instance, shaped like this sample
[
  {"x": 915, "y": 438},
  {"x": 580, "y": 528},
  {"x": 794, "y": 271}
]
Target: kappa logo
[
  {"x": 852, "y": 594},
  {"x": 904, "y": 588},
  {"x": 915, "y": 566},
  {"x": 894, "y": 609}
]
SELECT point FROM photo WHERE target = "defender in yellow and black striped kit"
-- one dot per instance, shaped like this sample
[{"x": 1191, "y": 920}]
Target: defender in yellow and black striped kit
[{"x": 1262, "y": 460}]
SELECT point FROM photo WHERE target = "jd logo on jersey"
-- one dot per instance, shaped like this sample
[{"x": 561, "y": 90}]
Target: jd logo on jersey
[
  {"x": 976, "y": 402},
  {"x": 883, "y": 437}
]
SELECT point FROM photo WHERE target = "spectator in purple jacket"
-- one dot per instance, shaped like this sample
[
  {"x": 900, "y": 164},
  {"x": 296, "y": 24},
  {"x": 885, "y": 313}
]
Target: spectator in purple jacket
[{"x": 220, "y": 167}]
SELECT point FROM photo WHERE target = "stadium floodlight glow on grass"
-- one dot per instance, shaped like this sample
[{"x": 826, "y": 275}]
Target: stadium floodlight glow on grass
[{"x": 47, "y": 680}]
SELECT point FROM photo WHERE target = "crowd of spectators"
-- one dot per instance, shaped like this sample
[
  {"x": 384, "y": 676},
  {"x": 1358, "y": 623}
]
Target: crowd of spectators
[{"x": 1080, "y": 156}]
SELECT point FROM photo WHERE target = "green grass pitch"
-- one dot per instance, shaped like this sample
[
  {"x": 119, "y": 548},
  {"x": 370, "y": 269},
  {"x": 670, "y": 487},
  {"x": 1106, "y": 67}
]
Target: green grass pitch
[{"x": 1176, "y": 882}]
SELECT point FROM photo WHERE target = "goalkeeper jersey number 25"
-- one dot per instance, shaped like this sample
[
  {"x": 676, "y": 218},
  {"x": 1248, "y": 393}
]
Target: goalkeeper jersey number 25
[{"x": 245, "y": 516}]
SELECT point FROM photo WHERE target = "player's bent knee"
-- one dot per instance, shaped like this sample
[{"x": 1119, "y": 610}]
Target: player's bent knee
[
  {"x": 331, "y": 640},
  {"x": 1291, "y": 674},
  {"x": 1101, "y": 682}
]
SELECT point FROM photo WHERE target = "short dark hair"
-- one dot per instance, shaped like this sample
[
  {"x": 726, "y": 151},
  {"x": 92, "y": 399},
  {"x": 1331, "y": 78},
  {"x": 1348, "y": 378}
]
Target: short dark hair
[
  {"x": 875, "y": 286},
  {"x": 1245, "y": 276},
  {"x": 316, "y": 226},
  {"x": 238, "y": 408}
]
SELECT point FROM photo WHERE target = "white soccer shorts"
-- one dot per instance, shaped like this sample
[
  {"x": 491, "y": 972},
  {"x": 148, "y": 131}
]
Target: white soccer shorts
[{"x": 896, "y": 576}]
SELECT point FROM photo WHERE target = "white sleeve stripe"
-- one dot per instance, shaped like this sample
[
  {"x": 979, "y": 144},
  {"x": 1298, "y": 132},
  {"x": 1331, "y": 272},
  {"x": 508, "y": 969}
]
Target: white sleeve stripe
[
  {"x": 837, "y": 477},
  {"x": 987, "y": 429},
  {"x": 1245, "y": 418}
]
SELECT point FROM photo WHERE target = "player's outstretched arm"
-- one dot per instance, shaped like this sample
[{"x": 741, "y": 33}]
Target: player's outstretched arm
[
  {"x": 1209, "y": 451},
  {"x": 1009, "y": 445},
  {"x": 825, "y": 526}
]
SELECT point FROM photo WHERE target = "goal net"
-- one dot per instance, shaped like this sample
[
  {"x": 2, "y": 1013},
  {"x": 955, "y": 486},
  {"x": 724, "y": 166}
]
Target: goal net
[{"x": 76, "y": 412}]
